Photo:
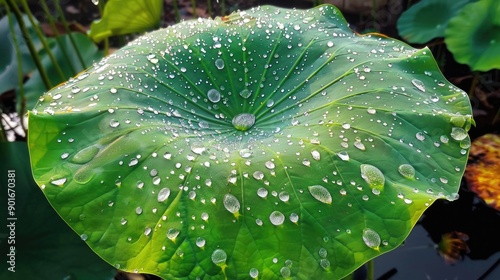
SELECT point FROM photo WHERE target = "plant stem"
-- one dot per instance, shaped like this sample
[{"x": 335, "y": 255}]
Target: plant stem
[
  {"x": 193, "y": 7},
  {"x": 72, "y": 40},
  {"x": 50, "y": 18},
  {"x": 176, "y": 11},
  {"x": 209, "y": 6},
  {"x": 473, "y": 84},
  {"x": 370, "y": 270},
  {"x": 29, "y": 43}
]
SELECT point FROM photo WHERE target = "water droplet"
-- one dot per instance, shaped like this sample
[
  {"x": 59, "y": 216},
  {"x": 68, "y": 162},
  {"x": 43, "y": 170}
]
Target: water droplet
[
  {"x": 269, "y": 165},
  {"x": 138, "y": 210},
  {"x": 200, "y": 242},
  {"x": 373, "y": 176},
  {"x": 173, "y": 233},
  {"x": 316, "y": 155},
  {"x": 84, "y": 237},
  {"x": 152, "y": 58},
  {"x": 198, "y": 148},
  {"x": 75, "y": 89},
  {"x": 420, "y": 136},
  {"x": 254, "y": 273},
  {"x": 294, "y": 217},
  {"x": 444, "y": 139},
  {"x": 269, "y": 103},
  {"x": 458, "y": 133},
  {"x": 322, "y": 253},
  {"x": 245, "y": 93},
  {"x": 163, "y": 194},
  {"x": 284, "y": 196},
  {"x": 346, "y": 126},
  {"x": 147, "y": 231},
  {"x": 418, "y": 84},
  {"x": 85, "y": 155},
  {"x": 231, "y": 203},
  {"x": 258, "y": 175},
  {"x": 320, "y": 193},
  {"x": 371, "y": 111},
  {"x": 329, "y": 44},
  {"x": 343, "y": 155},
  {"x": 114, "y": 123},
  {"x": 359, "y": 145},
  {"x": 113, "y": 90},
  {"x": 407, "y": 171},
  {"x": 213, "y": 95},
  {"x": 219, "y": 63},
  {"x": 324, "y": 263},
  {"x": 219, "y": 257},
  {"x": 243, "y": 121},
  {"x": 277, "y": 218},
  {"x": 371, "y": 238},
  {"x": 245, "y": 153},
  {"x": 133, "y": 162},
  {"x": 262, "y": 192},
  {"x": 59, "y": 182},
  {"x": 285, "y": 272}
]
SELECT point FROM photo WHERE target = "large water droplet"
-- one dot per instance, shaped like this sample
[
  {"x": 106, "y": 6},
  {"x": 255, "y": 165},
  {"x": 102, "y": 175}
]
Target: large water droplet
[
  {"x": 320, "y": 193},
  {"x": 219, "y": 257},
  {"x": 85, "y": 155},
  {"x": 458, "y": 133},
  {"x": 231, "y": 203},
  {"x": 371, "y": 238},
  {"x": 407, "y": 171},
  {"x": 173, "y": 233},
  {"x": 213, "y": 95},
  {"x": 254, "y": 273},
  {"x": 373, "y": 176},
  {"x": 163, "y": 194},
  {"x": 243, "y": 121},
  {"x": 277, "y": 218}
]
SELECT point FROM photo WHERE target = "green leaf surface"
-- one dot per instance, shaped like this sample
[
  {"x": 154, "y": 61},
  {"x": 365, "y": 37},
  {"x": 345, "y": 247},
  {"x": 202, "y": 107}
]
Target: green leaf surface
[
  {"x": 68, "y": 62},
  {"x": 473, "y": 36},
  {"x": 428, "y": 19},
  {"x": 272, "y": 144},
  {"x": 45, "y": 247},
  {"x": 8, "y": 59},
  {"x": 126, "y": 16}
]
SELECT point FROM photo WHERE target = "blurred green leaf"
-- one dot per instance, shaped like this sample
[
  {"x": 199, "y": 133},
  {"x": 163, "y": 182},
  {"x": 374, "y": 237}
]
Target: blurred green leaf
[
  {"x": 270, "y": 144},
  {"x": 126, "y": 16},
  {"x": 427, "y": 19},
  {"x": 473, "y": 36},
  {"x": 8, "y": 59},
  {"x": 35, "y": 87},
  {"x": 45, "y": 247}
]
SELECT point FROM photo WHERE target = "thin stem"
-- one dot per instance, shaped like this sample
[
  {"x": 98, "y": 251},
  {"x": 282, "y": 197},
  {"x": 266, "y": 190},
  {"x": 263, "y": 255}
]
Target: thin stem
[
  {"x": 473, "y": 84},
  {"x": 29, "y": 42},
  {"x": 193, "y": 7},
  {"x": 176, "y": 11},
  {"x": 71, "y": 39},
  {"x": 209, "y": 6},
  {"x": 42, "y": 39},
  {"x": 370, "y": 270},
  {"x": 52, "y": 24}
]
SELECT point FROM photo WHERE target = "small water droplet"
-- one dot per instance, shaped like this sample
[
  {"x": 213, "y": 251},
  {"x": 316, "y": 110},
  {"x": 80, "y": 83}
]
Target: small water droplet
[
  {"x": 294, "y": 217},
  {"x": 316, "y": 155},
  {"x": 373, "y": 176},
  {"x": 59, "y": 182},
  {"x": 197, "y": 148},
  {"x": 245, "y": 153},
  {"x": 324, "y": 263},
  {"x": 418, "y": 84},
  {"x": 407, "y": 171},
  {"x": 147, "y": 231},
  {"x": 371, "y": 111},
  {"x": 219, "y": 257},
  {"x": 231, "y": 203},
  {"x": 320, "y": 193},
  {"x": 343, "y": 155},
  {"x": 420, "y": 136},
  {"x": 172, "y": 234},
  {"x": 213, "y": 95},
  {"x": 245, "y": 93},
  {"x": 284, "y": 196},
  {"x": 371, "y": 238},
  {"x": 329, "y": 44},
  {"x": 243, "y": 121},
  {"x": 254, "y": 273},
  {"x": 258, "y": 175},
  {"x": 322, "y": 253},
  {"x": 285, "y": 272},
  {"x": 163, "y": 194},
  {"x": 84, "y": 237},
  {"x": 277, "y": 218},
  {"x": 269, "y": 165},
  {"x": 114, "y": 123},
  {"x": 138, "y": 210},
  {"x": 359, "y": 145},
  {"x": 219, "y": 63},
  {"x": 200, "y": 242}
]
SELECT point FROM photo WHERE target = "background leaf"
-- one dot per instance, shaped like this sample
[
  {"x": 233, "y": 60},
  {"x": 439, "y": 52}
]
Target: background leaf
[
  {"x": 46, "y": 248},
  {"x": 274, "y": 143},
  {"x": 428, "y": 19},
  {"x": 126, "y": 16},
  {"x": 473, "y": 38}
]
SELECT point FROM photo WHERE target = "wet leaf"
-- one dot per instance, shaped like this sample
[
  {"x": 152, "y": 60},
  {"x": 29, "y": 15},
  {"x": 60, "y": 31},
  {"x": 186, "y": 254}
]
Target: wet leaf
[
  {"x": 482, "y": 170},
  {"x": 273, "y": 143},
  {"x": 472, "y": 36}
]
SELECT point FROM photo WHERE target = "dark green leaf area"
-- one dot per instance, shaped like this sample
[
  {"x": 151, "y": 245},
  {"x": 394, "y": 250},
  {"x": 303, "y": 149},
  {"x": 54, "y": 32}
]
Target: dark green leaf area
[{"x": 272, "y": 144}]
